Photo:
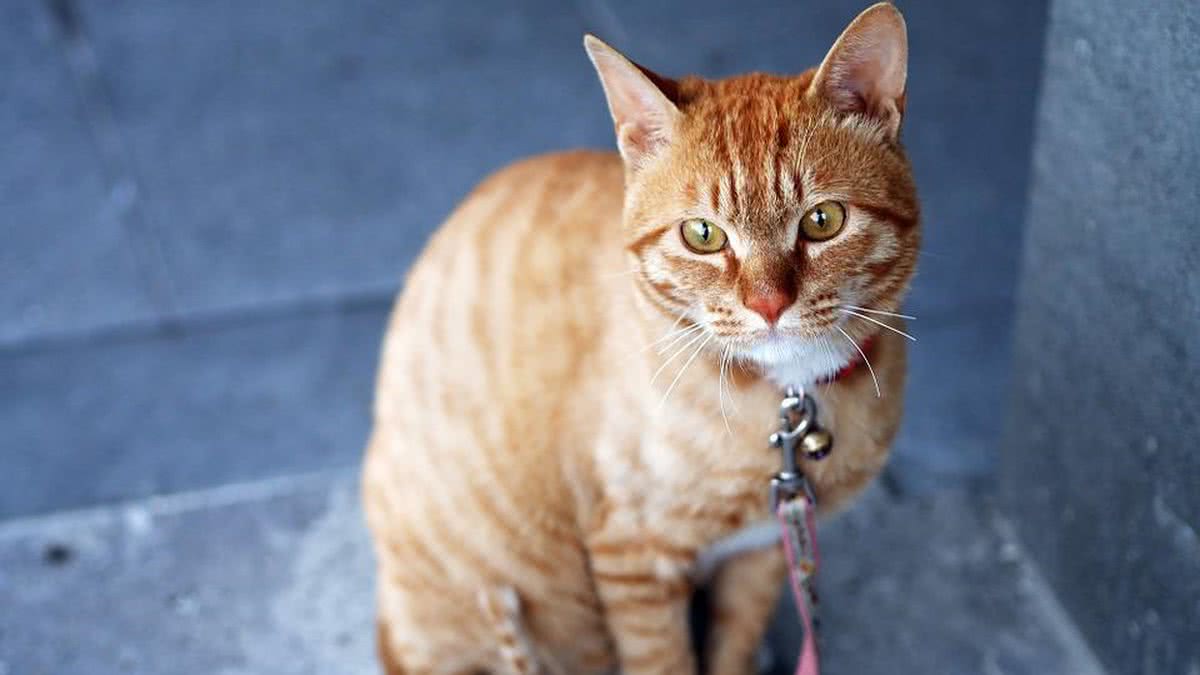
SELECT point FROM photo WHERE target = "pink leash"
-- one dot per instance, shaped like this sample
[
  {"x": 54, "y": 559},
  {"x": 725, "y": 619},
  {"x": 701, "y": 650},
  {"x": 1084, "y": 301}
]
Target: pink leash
[
  {"x": 796, "y": 518},
  {"x": 795, "y": 508}
]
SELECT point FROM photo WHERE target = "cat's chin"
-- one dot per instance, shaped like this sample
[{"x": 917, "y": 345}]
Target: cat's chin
[{"x": 795, "y": 361}]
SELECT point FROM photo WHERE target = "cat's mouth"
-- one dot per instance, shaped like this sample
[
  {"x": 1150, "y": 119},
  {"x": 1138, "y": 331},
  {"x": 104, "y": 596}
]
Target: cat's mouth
[
  {"x": 795, "y": 355},
  {"x": 788, "y": 333}
]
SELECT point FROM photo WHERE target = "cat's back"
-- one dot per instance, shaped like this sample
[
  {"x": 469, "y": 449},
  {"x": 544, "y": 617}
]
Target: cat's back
[{"x": 519, "y": 264}]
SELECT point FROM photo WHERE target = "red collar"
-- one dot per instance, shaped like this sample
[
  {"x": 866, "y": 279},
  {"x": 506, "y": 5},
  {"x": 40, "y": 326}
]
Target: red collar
[{"x": 855, "y": 363}]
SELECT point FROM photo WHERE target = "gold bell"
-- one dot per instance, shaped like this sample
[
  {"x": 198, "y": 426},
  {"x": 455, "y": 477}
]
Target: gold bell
[{"x": 816, "y": 444}]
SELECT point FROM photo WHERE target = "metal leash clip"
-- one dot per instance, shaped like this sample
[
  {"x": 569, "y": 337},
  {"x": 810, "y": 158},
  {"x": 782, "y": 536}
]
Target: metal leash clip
[{"x": 798, "y": 431}]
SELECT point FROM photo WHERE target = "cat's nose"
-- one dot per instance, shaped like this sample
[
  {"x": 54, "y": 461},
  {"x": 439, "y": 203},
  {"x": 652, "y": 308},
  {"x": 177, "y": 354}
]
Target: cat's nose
[{"x": 769, "y": 304}]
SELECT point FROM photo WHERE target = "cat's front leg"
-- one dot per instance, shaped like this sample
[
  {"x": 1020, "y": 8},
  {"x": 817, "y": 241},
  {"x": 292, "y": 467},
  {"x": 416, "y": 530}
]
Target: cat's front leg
[
  {"x": 645, "y": 593},
  {"x": 744, "y": 595}
]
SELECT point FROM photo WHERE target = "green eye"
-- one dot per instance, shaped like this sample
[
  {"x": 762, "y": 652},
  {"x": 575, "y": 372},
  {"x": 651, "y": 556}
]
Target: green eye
[
  {"x": 702, "y": 236},
  {"x": 823, "y": 221}
]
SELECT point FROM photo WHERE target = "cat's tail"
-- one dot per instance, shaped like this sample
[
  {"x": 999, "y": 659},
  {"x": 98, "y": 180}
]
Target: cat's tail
[{"x": 502, "y": 607}]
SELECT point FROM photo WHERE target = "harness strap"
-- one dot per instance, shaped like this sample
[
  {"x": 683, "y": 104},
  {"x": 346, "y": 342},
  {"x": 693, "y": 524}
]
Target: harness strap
[{"x": 760, "y": 535}]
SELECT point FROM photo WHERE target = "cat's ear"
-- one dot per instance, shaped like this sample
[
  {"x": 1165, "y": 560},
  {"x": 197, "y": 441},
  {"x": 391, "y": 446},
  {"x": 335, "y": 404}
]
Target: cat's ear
[
  {"x": 643, "y": 114},
  {"x": 866, "y": 69}
]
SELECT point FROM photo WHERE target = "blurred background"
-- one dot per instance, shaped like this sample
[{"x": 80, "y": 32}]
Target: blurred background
[{"x": 207, "y": 207}]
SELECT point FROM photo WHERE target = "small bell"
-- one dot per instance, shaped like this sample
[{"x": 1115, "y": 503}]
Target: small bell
[{"x": 816, "y": 444}]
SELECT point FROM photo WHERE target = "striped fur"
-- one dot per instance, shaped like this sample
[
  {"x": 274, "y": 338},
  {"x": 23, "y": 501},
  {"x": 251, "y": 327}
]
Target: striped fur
[{"x": 540, "y": 477}]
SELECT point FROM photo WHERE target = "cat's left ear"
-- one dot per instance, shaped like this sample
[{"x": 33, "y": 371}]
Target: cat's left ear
[
  {"x": 644, "y": 116},
  {"x": 866, "y": 69}
]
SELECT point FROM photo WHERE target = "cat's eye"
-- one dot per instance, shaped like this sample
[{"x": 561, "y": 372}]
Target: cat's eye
[
  {"x": 702, "y": 236},
  {"x": 823, "y": 221}
]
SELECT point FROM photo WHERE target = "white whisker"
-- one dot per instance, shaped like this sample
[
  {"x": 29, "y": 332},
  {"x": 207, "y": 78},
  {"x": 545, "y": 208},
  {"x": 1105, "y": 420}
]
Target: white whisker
[
  {"x": 729, "y": 366},
  {"x": 880, "y": 311},
  {"x": 682, "y": 370},
  {"x": 670, "y": 331},
  {"x": 677, "y": 320},
  {"x": 831, "y": 354},
  {"x": 676, "y": 335},
  {"x": 878, "y": 393},
  {"x": 614, "y": 275},
  {"x": 877, "y": 322},
  {"x": 721, "y": 389},
  {"x": 681, "y": 350}
]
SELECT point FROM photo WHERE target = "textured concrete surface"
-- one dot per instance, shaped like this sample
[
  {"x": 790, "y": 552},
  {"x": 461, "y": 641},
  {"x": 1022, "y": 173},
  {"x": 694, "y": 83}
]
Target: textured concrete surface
[
  {"x": 934, "y": 584},
  {"x": 276, "y": 578},
  {"x": 957, "y": 373},
  {"x": 245, "y": 399},
  {"x": 1100, "y": 461},
  {"x": 271, "y": 578},
  {"x": 67, "y": 262},
  {"x": 309, "y": 153}
]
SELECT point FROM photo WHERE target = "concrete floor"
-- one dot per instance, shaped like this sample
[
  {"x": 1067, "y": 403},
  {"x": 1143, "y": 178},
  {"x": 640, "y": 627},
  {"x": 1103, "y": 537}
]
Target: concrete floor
[
  {"x": 207, "y": 207},
  {"x": 275, "y": 577}
]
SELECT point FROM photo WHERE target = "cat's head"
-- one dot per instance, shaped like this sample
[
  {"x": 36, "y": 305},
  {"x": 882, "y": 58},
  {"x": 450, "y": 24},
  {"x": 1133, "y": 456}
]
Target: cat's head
[{"x": 764, "y": 207}]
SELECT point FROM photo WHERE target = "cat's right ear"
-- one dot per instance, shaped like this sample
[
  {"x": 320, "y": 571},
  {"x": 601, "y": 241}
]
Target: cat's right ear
[
  {"x": 643, "y": 115},
  {"x": 866, "y": 69}
]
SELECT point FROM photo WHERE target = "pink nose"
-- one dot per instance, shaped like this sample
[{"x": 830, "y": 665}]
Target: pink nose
[{"x": 770, "y": 304}]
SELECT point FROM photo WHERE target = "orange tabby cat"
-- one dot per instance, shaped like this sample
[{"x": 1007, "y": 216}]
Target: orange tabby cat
[{"x": 581, "y": 373}]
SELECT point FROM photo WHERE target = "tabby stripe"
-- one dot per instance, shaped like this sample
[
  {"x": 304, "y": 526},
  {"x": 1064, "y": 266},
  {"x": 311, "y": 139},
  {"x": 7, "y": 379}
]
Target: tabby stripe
[
  {"x": 777, "y": 179},
  {"x": 626, "y": 578},
  {"x": 783, "y": 134},
  {"x": 412, "y": 576},
  {"x": 412, "y": 551},
  {"x": 798, "y": 191},
  {"x": 518, "y": 663},
  {"x": 734, "y": 165},
  {"x": 641, "y": 596},
  {"x": 886, "y": 214},
  {"x": 599, "y": 516},
  {"x": 596, "y": 660},
  {"x": 691, "y": 266},
  {"x": 644, "y": 240},
  {"x": 457, "y": 544},
  {"x": 731, "y": 516},
  {"x": 545, "y": 531},
  {"x": 386, "y": 650},
  {"x": 891, "y": 286},
  {"x": 649, "y": 544},
  {"x": 649, "y": 660},
  {"x": 880, "y": 270},
  {"x": 666, "y": 289},
  {"x": 733, "y": 512},
  {"x": 645, "y": 625},
  {"x": 738, "y": 475},
  {"x": 630, "y": 604},
  {"x": 654, "y": 298}
]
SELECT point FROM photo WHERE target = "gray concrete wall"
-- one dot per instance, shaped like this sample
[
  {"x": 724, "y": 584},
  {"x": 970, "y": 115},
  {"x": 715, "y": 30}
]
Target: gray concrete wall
[{"x": 1101, "y": 464}]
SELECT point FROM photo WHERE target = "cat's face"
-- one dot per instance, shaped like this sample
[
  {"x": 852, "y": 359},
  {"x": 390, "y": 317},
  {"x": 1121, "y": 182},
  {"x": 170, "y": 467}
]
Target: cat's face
[{"x": 767, "y": 209}]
